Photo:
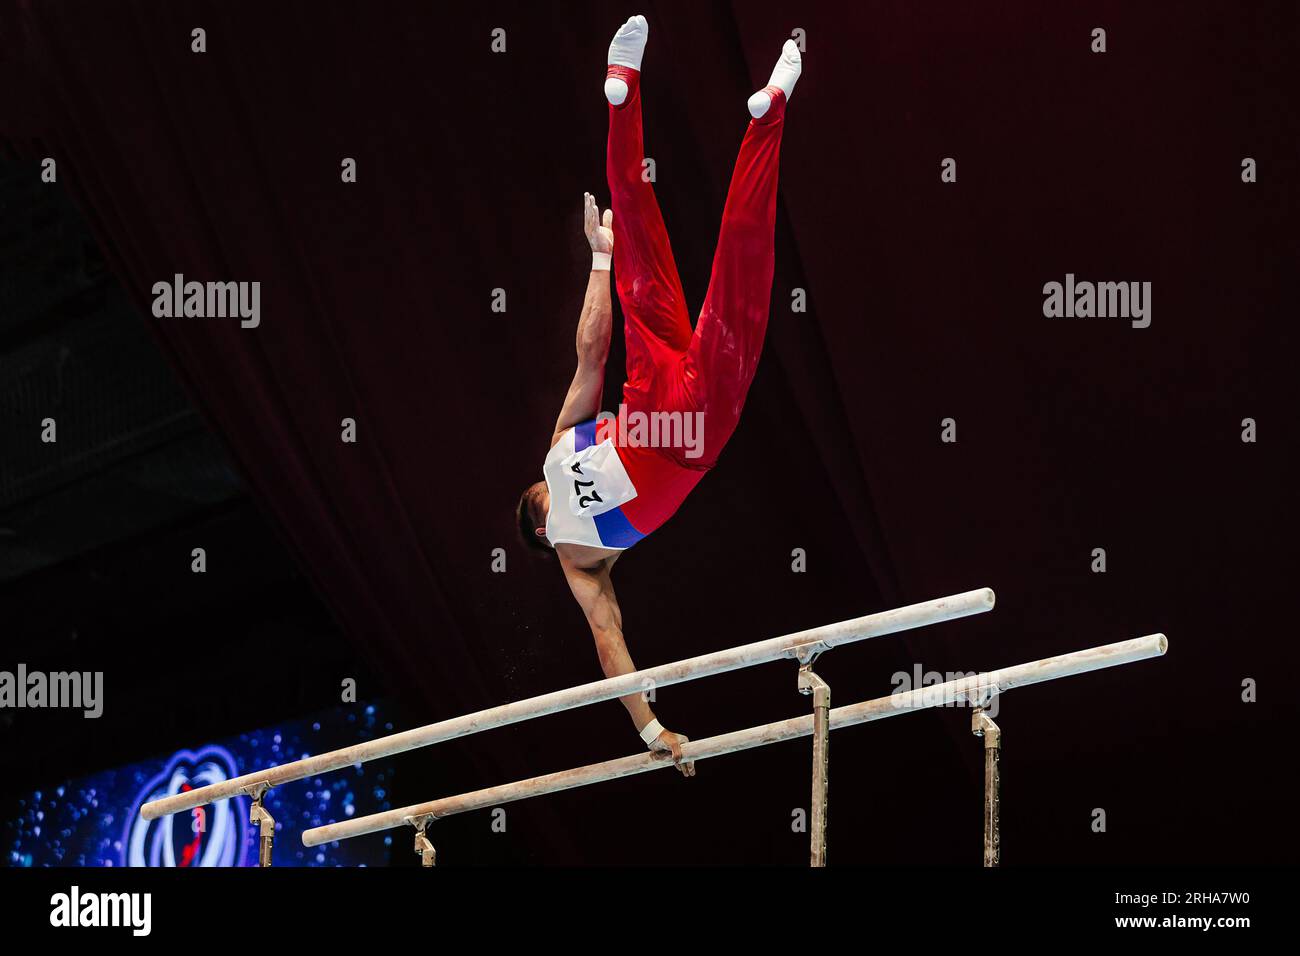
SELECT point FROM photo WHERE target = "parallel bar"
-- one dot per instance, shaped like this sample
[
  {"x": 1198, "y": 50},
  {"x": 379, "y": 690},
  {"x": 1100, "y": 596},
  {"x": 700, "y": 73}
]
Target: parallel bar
[
  {"x": 978, "y": 686},
  {"x": 747, "y": 655}
]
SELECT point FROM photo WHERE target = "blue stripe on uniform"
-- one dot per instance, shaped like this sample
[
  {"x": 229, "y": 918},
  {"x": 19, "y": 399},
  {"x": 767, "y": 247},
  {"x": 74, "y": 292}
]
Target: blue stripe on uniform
[
  {"x": 615, "y": 530},
  {"x": 584, "y": 435}
]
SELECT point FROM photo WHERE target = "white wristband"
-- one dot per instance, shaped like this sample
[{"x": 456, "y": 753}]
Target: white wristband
[
  {"x": 600, "y": 261},
  {"x": 651, "y": 731}
]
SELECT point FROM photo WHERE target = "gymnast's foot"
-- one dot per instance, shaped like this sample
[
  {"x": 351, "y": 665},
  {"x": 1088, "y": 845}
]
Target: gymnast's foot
[
  {"x": 784, "y": 76},
  {"x": 625, "y": 51},
  {"x": 670, "y": 744}
]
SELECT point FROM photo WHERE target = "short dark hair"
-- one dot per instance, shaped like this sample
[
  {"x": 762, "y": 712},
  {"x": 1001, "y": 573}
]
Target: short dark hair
[{"x": 528, "y": 521}]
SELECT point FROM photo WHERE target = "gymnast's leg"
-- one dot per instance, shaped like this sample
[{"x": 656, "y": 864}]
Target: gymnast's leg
[
  {"x": 656, "y": 323},
  {"x": 728, "y": 339}
]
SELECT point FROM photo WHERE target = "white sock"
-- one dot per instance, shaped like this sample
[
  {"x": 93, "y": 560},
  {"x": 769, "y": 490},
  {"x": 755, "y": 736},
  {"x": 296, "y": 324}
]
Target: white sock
[
  {"x": 784, "y": 76},
  {"x": 626, "y": 49},
  {"x": 629, "y": 43}
]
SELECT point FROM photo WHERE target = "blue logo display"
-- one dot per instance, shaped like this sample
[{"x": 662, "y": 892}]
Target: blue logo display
[
  {"x": 215, "y": 835},
  {"x": 95, "y": 820}
]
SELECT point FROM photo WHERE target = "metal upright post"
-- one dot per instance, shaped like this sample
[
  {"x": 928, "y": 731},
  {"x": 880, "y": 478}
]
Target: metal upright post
[
  {"x": 259, "y": 815},
  {"x": 811, "y": 683},
  {"x": 983, "y": 726},
  {"x": 423, "y": 848}
]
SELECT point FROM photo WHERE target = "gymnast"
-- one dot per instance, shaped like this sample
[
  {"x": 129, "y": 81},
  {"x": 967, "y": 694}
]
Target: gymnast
[{"x": 605, "y": 487}]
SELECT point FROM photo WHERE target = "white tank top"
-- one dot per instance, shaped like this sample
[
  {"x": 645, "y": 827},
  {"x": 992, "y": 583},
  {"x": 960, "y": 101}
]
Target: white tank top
[{"x": 585, "y": 485}]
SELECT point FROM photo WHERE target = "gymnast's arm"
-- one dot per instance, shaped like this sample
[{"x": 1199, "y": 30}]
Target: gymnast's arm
[
  {"x": 594, "y": 326},
  {"x": 594, "y": 591}
]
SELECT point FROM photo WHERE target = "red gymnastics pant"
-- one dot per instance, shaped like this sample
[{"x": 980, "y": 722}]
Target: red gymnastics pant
[{"x": 671, "y": 368}]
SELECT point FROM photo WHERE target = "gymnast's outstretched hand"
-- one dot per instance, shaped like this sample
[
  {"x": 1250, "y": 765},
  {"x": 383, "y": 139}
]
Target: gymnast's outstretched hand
[
  {"x": 600, "y": 233},
  {"x": 669, "y": 743}
]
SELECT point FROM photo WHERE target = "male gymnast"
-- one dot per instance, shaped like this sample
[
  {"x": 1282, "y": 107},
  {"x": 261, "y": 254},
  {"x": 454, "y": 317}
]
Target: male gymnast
[{"x": 605, "y": 487}]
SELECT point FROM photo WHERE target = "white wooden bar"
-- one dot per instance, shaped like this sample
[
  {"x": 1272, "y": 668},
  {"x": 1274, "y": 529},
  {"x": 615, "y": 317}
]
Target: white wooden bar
[
  {"x": 978, "y": 687},
  {"x": 734, "y": 658}
]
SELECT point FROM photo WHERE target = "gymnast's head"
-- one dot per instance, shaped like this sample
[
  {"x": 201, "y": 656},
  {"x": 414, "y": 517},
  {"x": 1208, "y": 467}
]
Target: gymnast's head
[{"x": 531, "y": 516}]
